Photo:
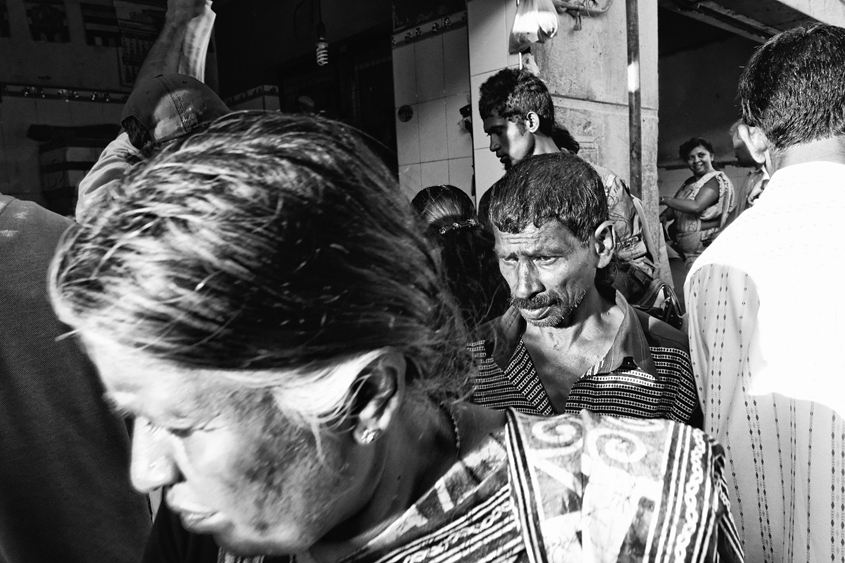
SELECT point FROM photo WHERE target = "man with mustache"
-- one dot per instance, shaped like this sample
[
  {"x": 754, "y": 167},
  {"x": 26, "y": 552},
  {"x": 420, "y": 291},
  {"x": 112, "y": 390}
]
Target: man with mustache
[{"x": 570, "y": 341}]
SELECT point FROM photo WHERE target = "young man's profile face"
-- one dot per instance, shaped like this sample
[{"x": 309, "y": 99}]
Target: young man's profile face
[
  {"x": 230, "y": 464},
  {"x": 549, "y": 272},
  {"x": 508, "y": 140}
]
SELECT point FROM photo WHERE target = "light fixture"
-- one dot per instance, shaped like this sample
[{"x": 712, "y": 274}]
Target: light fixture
[{"x": 322, "y": 44}]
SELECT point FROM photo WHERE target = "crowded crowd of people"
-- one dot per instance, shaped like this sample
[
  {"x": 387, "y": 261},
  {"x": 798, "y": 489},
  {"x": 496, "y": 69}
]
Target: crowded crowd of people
[{"x": 311, "y": 368}]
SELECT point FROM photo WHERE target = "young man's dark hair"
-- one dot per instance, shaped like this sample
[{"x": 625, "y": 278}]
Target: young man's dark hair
[
  {"x": 512, "y": 93},
  {"x": 793, "y": 88}
]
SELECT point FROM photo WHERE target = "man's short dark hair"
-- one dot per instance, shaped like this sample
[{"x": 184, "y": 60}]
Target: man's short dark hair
[
  {"x": 793, "y": 88},
  {"x": 550, "y": 186},
  {"x": 512, "y": 94}
]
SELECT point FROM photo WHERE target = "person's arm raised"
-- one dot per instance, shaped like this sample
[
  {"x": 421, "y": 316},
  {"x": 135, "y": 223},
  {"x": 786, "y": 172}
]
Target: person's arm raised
[{"x": 183, "y": 41}]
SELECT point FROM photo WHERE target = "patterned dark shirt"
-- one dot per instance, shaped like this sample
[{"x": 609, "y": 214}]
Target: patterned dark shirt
[{"x": 646, "y": 373}]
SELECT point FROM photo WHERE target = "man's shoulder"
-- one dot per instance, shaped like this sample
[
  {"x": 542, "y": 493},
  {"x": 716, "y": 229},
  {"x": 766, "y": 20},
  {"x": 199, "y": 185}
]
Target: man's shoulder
[
  {"x": 18, "y": 213},
  {"x": 661, "y": 334},
  {"x": 497, "y": 339}
]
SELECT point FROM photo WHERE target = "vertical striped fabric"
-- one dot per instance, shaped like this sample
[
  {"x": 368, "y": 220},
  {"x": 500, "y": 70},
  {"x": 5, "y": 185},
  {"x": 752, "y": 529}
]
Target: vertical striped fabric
[{"x": 763, "y": 342}]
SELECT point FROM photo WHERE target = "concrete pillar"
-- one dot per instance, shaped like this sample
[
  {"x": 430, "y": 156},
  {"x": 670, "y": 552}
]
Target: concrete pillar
[{"x": 586, "y": 71}]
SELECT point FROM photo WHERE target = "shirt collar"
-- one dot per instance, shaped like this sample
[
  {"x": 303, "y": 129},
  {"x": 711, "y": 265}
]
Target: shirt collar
[{"x": 630, "y": 342}]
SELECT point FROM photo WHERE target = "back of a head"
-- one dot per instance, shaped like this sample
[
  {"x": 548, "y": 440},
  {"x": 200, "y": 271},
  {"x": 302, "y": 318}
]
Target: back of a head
[
  {"x": 544, "y": 187},
  {"x": 266, "y": 242},
  {"x": 443, "y": 205},
  {"x": 513, "y": 93},
  {"x": 466, "y": 252},
  {"x": 792, "y": 87},
  {"x": 167, "y": 106}
]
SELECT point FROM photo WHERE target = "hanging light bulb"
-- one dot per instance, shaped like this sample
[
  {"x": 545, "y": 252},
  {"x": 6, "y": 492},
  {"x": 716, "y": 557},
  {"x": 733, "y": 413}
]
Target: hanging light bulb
[{"x": 322, "y": 45}]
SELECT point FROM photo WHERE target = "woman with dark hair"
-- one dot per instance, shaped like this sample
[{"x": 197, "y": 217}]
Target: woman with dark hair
[
  {"x": 466, "y": 252},
  {"x": 701, "y": 206}
]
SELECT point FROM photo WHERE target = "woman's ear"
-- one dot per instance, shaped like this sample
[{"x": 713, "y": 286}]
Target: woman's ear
[
  {"x": 605, "y": 243},
  {"x": 381, "y": 389}
]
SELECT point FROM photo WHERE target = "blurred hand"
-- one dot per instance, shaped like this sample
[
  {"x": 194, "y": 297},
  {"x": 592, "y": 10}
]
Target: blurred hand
[{"x": 186, "y": 10}]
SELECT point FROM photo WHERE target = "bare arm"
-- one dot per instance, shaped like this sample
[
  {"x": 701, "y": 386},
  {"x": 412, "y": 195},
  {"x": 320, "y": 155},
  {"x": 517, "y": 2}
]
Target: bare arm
[
  {"x": 707, "y": 196},
  {"x": 167, "y": 52}
]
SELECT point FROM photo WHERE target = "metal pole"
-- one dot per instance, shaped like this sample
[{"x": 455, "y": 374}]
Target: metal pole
[{"x": 635, "y": 133}]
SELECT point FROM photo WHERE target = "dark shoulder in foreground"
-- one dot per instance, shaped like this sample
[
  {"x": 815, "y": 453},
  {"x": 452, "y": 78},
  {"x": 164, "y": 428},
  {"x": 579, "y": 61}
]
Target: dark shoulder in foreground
[{"x": 659, "y": 333}]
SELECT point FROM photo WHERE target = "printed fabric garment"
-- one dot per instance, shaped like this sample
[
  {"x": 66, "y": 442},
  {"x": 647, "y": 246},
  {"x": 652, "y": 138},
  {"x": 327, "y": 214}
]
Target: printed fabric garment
[
  {"x": 771, "y": 385},
  {"x": 630, "y": 241},
  {"x": 690, "y": 235},
  {"x": 580, "y": 488},
  {"x": 645, "y": 374}
]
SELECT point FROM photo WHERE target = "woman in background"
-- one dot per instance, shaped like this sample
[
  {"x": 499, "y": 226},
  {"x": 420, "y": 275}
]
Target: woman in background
[
  {"x": 466, "y": 251},
  {"x": 701, "y": 206}
]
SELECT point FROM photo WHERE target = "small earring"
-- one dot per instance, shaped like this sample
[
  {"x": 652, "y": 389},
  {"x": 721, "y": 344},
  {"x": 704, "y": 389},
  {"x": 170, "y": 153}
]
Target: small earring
[{"x": 369, "y": 435}]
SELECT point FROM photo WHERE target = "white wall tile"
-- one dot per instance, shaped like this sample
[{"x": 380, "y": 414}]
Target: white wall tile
[
  {"x": 460, "y": 173},
  {"x": 429, "y": 68},
  {"x": 433, "y": 141},
  {"x": 408, "y": 138},
  {"x": 434, "y": 173},
  {"x": 488, "y": 170},
  {"x": 458, "y": 139},
  {"x": 479, "y": 137},
  {"x": 488, "y": 35},
  {"x": 456, "y": 61},
  {"x": 410, "y": 180},
  {"x": 404, "y": 76}
]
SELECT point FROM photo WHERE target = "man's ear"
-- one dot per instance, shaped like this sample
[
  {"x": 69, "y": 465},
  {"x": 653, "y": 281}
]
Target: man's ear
[
  {"x": 605, "y": 243},
  {"x": 756, "y": 143},
  {"x": 532, "y": 122},
  {"x": 381, "y": 389}
]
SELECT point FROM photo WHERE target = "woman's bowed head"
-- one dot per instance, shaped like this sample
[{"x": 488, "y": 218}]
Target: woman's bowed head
[{"x": 260, "y": 299}]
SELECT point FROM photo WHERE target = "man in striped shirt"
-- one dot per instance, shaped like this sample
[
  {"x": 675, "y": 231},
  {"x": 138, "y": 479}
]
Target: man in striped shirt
[{"x": 570, "y": 341}]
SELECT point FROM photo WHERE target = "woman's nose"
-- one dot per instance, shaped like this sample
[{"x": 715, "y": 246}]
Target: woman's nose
[{"x": 152, "y": 461}]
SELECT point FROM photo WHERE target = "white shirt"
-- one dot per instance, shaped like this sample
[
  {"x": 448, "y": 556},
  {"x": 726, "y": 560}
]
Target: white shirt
[{"x": 765, "y": 335}]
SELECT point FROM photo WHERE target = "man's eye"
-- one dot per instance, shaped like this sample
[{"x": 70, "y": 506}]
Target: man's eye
[
  {"x": 181, "y": 432},
  {"x": 546, "y": 259}
]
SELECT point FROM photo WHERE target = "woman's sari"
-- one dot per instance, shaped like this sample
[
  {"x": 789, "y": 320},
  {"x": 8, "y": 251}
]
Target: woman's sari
[
  {"x": 573, "y": 488},
  {"x": 691, "y": 237}
]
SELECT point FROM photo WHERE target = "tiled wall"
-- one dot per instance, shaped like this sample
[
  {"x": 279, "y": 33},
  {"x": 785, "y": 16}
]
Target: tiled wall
[
  {"x": 431, "y": 75},
  {"x": 489, "y": 26}
]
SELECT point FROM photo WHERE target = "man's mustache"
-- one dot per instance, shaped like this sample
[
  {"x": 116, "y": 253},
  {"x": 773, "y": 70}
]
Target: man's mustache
[{"x": 536, "y": 302}]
